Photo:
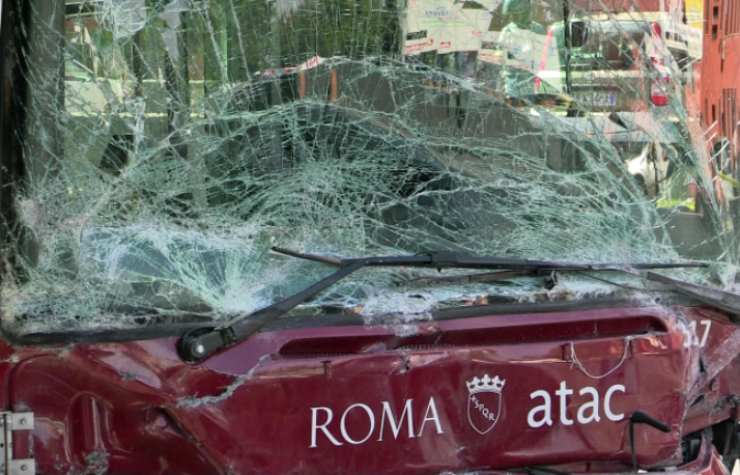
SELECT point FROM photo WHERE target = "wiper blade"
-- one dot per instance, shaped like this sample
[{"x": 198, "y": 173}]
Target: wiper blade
[
  {"x": 720, "y": 299},
  {"x": 540, "y": 470},
  {"x": 476, "y": 278},
  {"x": 203, "y": 342},
  {"x": 459, "y": 260}
]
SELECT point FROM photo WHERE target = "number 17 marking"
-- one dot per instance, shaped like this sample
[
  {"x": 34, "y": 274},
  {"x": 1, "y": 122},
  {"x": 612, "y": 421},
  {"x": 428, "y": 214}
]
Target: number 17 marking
[{"x": 700, "y": 342}]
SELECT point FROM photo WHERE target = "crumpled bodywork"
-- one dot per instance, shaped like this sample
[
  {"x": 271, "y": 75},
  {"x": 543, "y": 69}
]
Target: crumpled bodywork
[
  {"x": 348, "y": 399},
  {"x": 154, "y": 152}
]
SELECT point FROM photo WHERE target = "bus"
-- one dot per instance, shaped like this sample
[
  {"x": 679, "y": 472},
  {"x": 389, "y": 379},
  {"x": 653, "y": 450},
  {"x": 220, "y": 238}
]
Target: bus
[{"x": 362, "y": 237}]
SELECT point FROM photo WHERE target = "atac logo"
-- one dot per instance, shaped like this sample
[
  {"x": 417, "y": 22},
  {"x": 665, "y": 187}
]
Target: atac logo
[{"x": 484, "y": 402}]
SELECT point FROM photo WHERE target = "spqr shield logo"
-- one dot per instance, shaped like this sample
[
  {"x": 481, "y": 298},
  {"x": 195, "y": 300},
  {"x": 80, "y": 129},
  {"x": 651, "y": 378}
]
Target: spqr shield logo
[{"x": 484, "y": 402}]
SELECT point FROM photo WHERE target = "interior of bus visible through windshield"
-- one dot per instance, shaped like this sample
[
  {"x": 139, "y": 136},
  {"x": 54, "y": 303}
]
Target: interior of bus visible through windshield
[{"x": 160, "y": 148}]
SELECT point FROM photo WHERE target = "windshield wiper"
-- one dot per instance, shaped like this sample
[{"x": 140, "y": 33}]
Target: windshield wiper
[
  {"x": 199, "y": 344},
  {"x": 461, "y": 260},
  {"x": 720, "y": 299}
]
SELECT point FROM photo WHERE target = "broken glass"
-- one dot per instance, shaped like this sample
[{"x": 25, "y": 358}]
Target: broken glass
[{"x": 169, "y": 144}]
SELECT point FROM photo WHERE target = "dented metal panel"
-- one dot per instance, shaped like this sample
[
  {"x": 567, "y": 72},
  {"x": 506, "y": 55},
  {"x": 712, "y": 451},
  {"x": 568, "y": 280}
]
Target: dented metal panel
[
  {"x": 321, "y": 392},
  {"x": 170, "y": 148},
  {"x": 337, "y": 397}
]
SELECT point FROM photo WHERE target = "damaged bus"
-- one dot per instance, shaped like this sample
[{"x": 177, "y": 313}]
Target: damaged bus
[{"x": 361, "y": 237}]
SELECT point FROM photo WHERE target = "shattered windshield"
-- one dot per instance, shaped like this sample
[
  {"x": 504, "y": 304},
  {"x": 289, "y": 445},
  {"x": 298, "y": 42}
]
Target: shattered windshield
[{"x": 168, "y": 145}]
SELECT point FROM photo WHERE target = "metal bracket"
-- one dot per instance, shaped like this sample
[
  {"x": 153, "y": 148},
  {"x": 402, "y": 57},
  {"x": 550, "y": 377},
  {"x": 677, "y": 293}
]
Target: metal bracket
[{"x": 11, "y": 422}]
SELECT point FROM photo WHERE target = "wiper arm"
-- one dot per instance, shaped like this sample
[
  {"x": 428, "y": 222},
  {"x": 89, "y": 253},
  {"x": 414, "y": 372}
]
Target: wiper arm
[
  {"x": 199, "y": 344},
  {"x": 203, "y": 342}
]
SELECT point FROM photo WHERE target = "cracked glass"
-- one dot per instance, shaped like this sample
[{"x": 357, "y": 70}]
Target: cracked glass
[{"x": 168, "y": 145}]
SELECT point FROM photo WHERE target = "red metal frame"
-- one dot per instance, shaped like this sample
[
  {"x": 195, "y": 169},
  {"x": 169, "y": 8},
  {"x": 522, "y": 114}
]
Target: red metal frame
[{"x": 263, "y": 406}]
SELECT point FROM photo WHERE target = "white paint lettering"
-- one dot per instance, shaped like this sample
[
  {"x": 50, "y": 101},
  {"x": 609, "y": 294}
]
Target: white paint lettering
[
  {"x": 315, "y": 427},
  {"x": 707, "y": 324},
  {"x": 431, "y": 408},
  {"x": 588, "y": 409},
  {"x": 545, "y": 408},
  {"x": 357, "y": 424},
  {"x": 563, "y": 392},
  {"x": 691, "y": 333},
  {"x": 407, "y": 414},
  {"x": 607, "y": 403},
  {"x": 593, "y": 405},
  {"x": 371, "y": 423}
]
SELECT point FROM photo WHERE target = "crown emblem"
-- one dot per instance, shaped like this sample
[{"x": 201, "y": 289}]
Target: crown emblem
[{"x": 485, "y": 384}]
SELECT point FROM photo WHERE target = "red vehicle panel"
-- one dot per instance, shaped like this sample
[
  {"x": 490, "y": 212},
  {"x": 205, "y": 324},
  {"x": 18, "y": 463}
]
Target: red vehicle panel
[
  {"x": 164, "y": 129},
  {"x": 463, "y": 393}
]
